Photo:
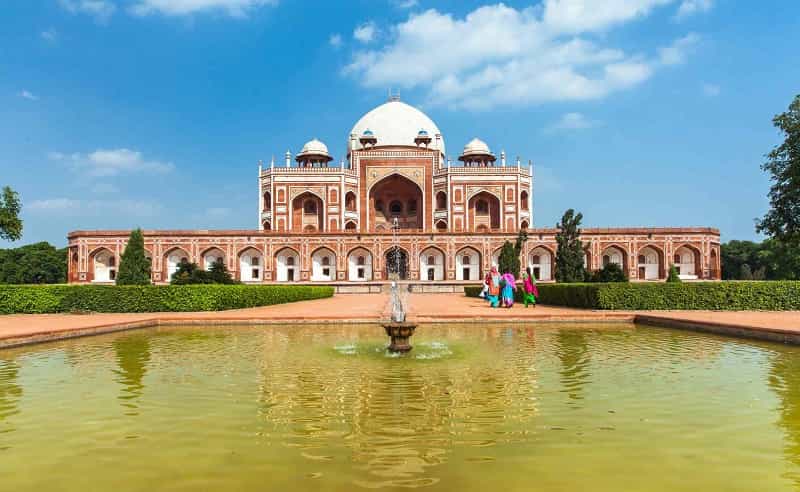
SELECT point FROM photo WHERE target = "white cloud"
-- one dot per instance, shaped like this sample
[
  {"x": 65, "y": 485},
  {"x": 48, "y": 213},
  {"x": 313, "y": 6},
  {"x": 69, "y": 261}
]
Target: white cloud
[
  {"x": 114, "y": 162},
  {"x": 365, "y": 33},
  {"x": 122, "y": 207},
  {"x": 234, "y": 8},
  {"x": 678, "y": 51},
  {"x": 692, "y": 7},
  {"x": 101, "y": 10},
  {"x": 576, "y": 16},
  {"x": 497, "y": 55},
  {"x": 711, "y": 90},
  {"x": 50, "y": 35},
  {"x": 405, "y": 4},
  {"x": 335, "y": 40},
  {"x": 572, "y": 121},
  {"x": 28, "y": 95}
]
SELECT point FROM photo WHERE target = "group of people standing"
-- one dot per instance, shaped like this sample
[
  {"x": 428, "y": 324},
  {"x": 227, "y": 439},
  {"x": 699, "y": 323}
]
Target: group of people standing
[{"x": 499, "y": 289}]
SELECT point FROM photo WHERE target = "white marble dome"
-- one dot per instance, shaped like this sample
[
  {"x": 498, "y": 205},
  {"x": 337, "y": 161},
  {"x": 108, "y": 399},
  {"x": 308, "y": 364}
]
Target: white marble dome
[
  {"x": 476, "y": 146},
  {"x": 314, "y": 147},
  {"x": 396, "y": 123}
]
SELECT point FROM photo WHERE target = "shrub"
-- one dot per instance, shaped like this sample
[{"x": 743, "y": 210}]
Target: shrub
[
  {"x": 150, "y": 298},
  {"x": 189, "y": 273},
  {"x": 609, "y": 273},
  {"x": 673, "y": 277},
  {"x": 718, "y": 296}
]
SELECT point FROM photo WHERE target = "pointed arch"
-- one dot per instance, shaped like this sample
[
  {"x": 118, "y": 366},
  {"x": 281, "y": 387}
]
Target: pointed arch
[
  {"x": 103, "y": 265},
  {"x": 432, "y": 264},
  {"x": 359, "y": 264},
  {"x": 210, "y": 255},
  {"x": 308, "y": 212},
  {"x": 468, "y": 264},
  {"x": 287, "y": 265},
  {"x": 395, "y": 262},
  {"x": 541, "y": 261},
  {"x": 687, "y": 258},
  {"x": 650, "y": 262},
  {"x": 395, "y": 198},
  {"x": 323, "y": 265},
  {"x": 251, "y": 264}
]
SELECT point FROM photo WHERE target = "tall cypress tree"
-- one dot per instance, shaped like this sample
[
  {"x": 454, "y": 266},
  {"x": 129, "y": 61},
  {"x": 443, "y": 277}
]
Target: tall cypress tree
[
  {"x": 134, "y": 267},
  {"x": 509, "y": 255},
  {"x": 569, "y": 256}
]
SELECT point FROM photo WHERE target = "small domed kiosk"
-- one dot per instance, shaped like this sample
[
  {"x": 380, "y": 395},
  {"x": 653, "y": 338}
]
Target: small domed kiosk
[{"x": 314, "y": 154}]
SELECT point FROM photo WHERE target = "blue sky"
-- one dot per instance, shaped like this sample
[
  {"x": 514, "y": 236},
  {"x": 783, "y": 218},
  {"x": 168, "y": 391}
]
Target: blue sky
[{"x": 154, "y": 113}]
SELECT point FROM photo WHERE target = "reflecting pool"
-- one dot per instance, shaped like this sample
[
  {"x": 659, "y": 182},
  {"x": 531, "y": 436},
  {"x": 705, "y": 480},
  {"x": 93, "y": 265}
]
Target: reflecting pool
[{"x": 505, "y": 408}]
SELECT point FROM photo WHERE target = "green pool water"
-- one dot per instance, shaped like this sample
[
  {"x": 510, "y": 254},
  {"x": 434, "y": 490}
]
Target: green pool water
[{"x": 507, "y": 408}]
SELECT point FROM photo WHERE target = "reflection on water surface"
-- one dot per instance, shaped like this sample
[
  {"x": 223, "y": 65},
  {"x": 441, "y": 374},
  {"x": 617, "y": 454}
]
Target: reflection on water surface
[{"x": 326, "y": 408}]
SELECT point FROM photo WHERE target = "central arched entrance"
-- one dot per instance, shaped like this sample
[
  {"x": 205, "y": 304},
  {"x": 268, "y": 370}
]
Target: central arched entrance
[
  {"x": 396, "y": 264},
  {"x": 395, "y": 197}
]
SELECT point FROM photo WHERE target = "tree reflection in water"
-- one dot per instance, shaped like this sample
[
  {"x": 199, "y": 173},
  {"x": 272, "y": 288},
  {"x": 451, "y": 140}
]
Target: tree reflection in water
[
  {"x": 785, "y": 381},
  {"x": 132, "y": 354},
  {"x": 573, "y": 351},
  {"x": 10, "y": 395}
]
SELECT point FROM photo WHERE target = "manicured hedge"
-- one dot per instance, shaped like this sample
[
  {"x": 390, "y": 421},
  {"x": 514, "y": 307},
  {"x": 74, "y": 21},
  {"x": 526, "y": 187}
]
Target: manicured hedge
[
  {"x": 718, "y": 296},
  {"x": 149, "y": 298}
]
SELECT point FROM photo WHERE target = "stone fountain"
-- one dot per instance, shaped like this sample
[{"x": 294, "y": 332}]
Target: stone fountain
[{"x": 397, "y": 329}]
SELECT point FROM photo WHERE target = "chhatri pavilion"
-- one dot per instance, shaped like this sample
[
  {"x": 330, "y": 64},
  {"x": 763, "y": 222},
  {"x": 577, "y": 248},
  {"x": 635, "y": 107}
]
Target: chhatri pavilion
[{"x": 395, "y": 205}]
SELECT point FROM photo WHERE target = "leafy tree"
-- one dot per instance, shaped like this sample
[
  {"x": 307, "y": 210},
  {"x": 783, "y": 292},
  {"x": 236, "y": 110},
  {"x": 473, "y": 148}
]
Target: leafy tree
[
  {"x": 134, "y": 267},
  {"x": 746, "y": 273},
  {"x": 769, "y": 260},
  {"x": 781, "y": 261},
  {"x": 190, "y": 273},
  {"x": 735, "y": 254},
  {"x": 609, "y": 273},
  {"x": 219, "y": 274},
  {"x": 39, "y": 263},
  {"x": 10, "y": 223},
  {"x": 782, "y": 222},
  {"x": 508, "y": 260},
  {"x": 673, "y": 277},
  {"x": 510, "y": 253},
  {"x": 570, "y": 254}
]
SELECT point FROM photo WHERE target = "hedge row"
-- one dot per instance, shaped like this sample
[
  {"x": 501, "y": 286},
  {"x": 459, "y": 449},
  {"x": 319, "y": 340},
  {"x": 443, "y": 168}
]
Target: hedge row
[
  {"x": 717, "y": 296},
  {"x": 149, "y": 298}
]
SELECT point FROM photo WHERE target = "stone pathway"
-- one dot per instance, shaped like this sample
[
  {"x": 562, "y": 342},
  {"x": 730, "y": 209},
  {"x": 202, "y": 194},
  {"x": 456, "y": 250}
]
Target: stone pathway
[{"x": 422, "y": 308}]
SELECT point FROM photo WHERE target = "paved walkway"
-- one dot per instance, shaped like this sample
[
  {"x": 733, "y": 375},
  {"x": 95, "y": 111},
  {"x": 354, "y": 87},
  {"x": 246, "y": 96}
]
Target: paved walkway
[{"x": 422, "y": 308}]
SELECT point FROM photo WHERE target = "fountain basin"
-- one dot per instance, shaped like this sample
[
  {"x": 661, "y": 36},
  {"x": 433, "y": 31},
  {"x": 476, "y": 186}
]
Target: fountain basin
[{"x": 399, "y": 333}]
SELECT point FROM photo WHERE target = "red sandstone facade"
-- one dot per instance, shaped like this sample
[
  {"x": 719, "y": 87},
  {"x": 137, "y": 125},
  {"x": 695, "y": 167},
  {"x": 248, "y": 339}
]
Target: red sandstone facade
[{"x": 337, "y": 224}]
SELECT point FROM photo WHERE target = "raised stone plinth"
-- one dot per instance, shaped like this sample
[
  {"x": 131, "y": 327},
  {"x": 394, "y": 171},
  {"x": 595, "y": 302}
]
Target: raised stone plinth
[{"x": 399, "y": 333}]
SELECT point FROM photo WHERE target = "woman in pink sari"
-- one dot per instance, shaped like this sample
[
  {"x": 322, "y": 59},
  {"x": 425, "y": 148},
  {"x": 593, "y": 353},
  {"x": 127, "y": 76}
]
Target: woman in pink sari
[
  {"x": 509, "y": 287},
  {"x": 529, "y": 285}
]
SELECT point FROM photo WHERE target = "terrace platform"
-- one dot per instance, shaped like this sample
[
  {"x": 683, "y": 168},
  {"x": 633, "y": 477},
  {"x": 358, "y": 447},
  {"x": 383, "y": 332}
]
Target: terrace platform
[{"x": 783, "y": 327}]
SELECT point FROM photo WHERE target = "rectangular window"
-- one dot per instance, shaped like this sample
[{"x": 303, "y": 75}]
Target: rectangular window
[
  {"x": 112, "y": 274},
  {"x": 255, "y": 274},
  {"x": 326, "y": 272},
  {"x": 361, "y": 273},
  {"x": 465, "y": 273},
  {"x": 290, "y": 275}
]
